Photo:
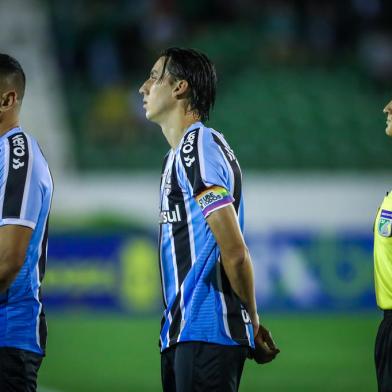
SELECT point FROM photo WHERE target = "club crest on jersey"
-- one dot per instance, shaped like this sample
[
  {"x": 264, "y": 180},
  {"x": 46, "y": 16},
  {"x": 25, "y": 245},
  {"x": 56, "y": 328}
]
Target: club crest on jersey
[
  {"x": 385, "y": 223},
  {"x": 167, "y": 216},
  {"x": 188, "y": 147}
]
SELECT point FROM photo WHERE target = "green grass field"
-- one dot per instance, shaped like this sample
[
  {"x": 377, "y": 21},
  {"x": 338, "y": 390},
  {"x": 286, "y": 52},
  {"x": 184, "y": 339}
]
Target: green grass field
[{"x": 116, "y": 354}]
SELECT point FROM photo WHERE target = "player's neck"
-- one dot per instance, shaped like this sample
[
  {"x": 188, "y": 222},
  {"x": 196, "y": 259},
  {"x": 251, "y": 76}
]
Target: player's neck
[
  {"x": 6, "y": 124},
  {"x": 175, "y": 127}
]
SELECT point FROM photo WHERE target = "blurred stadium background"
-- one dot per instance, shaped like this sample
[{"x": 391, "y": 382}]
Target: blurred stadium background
[{"x": 301, "y": 89}]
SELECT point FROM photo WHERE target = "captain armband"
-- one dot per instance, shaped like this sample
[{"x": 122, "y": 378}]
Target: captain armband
[{"x": 213, "y": 198}]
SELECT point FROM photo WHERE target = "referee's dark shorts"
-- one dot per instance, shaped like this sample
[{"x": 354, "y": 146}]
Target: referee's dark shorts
[
  {"x": 18, "y": 370},
  {"x": 202, "y": 367},
  {"x": 383, "y": 353}
]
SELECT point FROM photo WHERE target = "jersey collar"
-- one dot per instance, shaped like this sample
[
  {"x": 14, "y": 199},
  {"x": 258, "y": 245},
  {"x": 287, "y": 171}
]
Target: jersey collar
[{"x": 197, "y": 124}]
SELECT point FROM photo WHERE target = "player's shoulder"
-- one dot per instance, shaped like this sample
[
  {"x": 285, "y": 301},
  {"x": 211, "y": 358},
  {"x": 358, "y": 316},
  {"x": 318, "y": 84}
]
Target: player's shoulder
[
  {"x": 24, "y": 150},
  {"x": 200, "y": 140},
  {"x": 208, "y": 134},
  {"x": 35, "y": 148},
  {"x": 212, "y": 141},
  {"x": 20, "y": 139},
  {"x": 16, "y": 145}
]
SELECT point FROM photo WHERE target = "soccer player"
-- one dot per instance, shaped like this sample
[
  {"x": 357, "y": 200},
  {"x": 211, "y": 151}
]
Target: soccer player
[
  {"x": 383, "y": 282},
  {"x": 210, "y": 316},
  {"x": 25, "y": 199}
]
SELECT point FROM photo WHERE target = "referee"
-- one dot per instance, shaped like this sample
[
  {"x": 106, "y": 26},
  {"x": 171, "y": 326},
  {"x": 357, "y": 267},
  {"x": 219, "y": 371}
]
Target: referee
[
  {"x": 383, "y": 282},
  {"x": 210, "y": 319},
  {"x": 25, "y": 199}
]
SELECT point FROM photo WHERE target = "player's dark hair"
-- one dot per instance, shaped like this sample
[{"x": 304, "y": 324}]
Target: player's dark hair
[
  {"x": 198, "y": 70},
  {"x": 9, "y": 67}
]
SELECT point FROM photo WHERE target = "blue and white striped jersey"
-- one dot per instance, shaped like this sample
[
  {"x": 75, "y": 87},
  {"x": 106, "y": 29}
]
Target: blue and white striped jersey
[
  {"x": 201, "y": 175},
  {"x": 26, "y": 189}
]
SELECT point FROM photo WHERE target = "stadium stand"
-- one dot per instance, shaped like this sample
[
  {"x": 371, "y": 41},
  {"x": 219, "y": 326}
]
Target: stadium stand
[{"x": 303, "y": 104}]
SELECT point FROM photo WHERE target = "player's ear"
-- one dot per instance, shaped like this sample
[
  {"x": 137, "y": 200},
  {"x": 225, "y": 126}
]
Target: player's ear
[
  {"x": 8, "y": 100},
  {"x": 180, "y": 89}
]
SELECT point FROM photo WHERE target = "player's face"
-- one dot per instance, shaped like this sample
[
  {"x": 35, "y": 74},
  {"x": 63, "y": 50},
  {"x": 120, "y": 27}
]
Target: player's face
[
  {"x": 388, "y": 111},
  {"x": 157, "y": 93}
]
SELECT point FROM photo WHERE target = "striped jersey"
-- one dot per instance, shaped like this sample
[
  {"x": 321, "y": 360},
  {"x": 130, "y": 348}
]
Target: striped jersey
[
  {"x": 200, "y": 176},
  {"x": 383, "y": 254},
  {"x": 25, "y": 199}
]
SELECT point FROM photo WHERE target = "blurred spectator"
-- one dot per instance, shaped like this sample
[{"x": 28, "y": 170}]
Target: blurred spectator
[
  {"x": 367, "y": 9},
  {"x": 110, "y": 123},
  {"x": 161, "y": 26},
  {"x": 375, "y": 51},
  {"x": 321, "y": 29},
  {"x": 279, "y": 27},
  {"x": 103, "y": 62}
]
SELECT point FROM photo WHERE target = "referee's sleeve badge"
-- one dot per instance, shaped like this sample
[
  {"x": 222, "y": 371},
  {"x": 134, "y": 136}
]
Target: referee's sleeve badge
[{"x": 384, "y": 225}]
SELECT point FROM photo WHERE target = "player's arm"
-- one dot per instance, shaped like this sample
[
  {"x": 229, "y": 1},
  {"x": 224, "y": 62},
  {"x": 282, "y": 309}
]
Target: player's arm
[
  {"x": 235, "y": 257},
  {"x": 14, "y": 241},
  {"x": 239, "y": 270},
  {"x": 21, "y": 204}
]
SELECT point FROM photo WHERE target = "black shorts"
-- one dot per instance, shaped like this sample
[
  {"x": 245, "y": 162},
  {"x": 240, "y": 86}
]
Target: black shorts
[
  {"x": 383, "y": 353},
  {"x": 18, "y": 370},
  {"x": 202, "y": 367}
]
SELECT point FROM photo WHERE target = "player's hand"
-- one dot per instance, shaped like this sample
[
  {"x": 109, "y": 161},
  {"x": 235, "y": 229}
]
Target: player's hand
[{"x": 265, "y": 349}]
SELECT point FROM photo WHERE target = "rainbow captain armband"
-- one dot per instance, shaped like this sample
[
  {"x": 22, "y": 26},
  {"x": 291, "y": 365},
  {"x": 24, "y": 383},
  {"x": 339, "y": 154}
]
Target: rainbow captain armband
[{"x": 213, "y": 198}]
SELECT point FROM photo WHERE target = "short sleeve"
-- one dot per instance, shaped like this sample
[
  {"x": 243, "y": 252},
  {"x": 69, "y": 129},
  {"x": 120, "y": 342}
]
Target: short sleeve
[
  {"x": 206, "y": 170},
  {"x": 21, "y": 195}
]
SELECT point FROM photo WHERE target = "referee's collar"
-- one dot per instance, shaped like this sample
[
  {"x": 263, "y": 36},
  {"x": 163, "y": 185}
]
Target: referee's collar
[{"x": 11, "y": 132}]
